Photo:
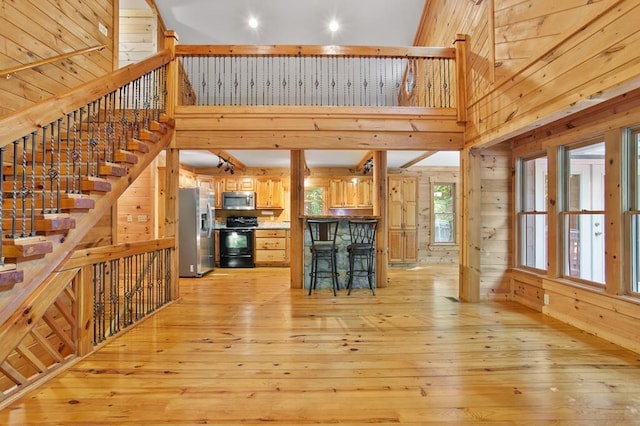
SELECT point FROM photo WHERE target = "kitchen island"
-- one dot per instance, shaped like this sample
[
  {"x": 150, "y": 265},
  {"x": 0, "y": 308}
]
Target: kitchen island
[{"x": 343, "y": 239}]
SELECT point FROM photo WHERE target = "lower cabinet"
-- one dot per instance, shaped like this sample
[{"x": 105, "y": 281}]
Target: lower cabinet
[
  {"x": 403, "y": 247},
  {"x": 272, "y": 247}
]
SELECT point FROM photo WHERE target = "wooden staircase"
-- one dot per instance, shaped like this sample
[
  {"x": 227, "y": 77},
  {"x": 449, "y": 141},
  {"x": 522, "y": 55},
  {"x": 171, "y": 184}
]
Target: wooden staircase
[{"x": 51, "y": 228}]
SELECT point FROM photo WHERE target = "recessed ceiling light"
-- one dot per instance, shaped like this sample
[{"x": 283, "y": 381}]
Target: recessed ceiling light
[
  {"x": 333, "y": 26},
  {"x": 253, "y": 22}
]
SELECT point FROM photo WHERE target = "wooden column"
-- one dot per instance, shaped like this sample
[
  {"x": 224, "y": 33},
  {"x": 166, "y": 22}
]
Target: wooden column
[
  {"x": 470, "y": 244},
  {"x": 553, "y": 220},
  {"x": 297, "y": 236},
  {"x": 380, "y": 198},
  {"x": 172, "y": 179},
  {"x": 615, "y": 241}
]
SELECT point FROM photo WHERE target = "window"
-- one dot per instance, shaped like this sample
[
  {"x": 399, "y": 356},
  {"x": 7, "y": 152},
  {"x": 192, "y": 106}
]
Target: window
[
  {"x": 583, "y": 224},
  {"x": 444, "y": 213},
  {"x": 634, "y": 214},
  {"x": 532, "y": 213},
  {"x": 314, "y": 200}
]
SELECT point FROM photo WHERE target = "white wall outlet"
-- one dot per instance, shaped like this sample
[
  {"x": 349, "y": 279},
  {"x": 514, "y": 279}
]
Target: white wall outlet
[
  {"x": 546, "y": 299},
  {"x": 142, "y": 218},
  {"x": 191, "y": 268},
  {"x": 129, "y": 218},
  {"x": 103, "y": 29}
]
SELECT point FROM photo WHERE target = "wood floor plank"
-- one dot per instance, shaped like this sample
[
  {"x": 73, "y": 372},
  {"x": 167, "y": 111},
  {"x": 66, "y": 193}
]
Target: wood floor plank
[{"x": 240, "y": 346}]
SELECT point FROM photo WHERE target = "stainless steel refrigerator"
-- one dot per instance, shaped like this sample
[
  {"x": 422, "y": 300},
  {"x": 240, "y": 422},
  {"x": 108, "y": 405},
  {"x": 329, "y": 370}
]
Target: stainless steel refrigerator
[{"x": 196, "y": 232}]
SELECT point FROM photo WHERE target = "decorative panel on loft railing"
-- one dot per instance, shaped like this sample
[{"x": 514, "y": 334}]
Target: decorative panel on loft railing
[{"x": 317, "y": 76}]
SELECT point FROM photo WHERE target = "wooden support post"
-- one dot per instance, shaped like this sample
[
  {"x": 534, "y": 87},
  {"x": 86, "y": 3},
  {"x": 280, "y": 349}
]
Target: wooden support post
[
  {"x": 172, "y": 179},
  {"x": 470, "y": 244},
  {"x": 296, "y": 192},
  {"x": 461, "y": 77},
  {"x": 554, "y": 238},
  {"x": 380, "y": 198},
  {"x": 84, "y": 304},
  {"x": 614, "y": 214}
]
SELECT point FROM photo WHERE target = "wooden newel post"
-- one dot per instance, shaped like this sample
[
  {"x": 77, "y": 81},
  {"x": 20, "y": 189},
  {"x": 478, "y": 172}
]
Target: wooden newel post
[
  {"x": 84, "y": 303},
  {"x": 170, "y": 42},
  {"x": 461, "y": 47}
]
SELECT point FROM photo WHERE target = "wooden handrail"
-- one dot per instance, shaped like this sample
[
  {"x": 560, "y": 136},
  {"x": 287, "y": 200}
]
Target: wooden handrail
[
  {"x": 7, "y": 72},
  {"x": 291, "y": 50},
  {"x": 24, "y": 121}
]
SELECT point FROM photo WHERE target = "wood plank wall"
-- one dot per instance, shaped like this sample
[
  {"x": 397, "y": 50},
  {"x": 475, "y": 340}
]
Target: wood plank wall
[
  {"x": 138, "y": 35},
  {"x": 33, "y": 30},
  {"x": 136, "y": 209},
  {"x": 496, "y": 227}
]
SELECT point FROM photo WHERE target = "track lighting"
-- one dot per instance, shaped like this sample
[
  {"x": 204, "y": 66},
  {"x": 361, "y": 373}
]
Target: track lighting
[
  {"x": 368, "y": 166},
  {"x": 225, "y": 164}
]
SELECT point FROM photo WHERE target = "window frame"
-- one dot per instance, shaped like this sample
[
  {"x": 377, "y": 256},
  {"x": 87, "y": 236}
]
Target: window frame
[
  {"x": 454, "y": 213},
  {"x": 522, "y": 212},
  {"x": 566, "y": 213},
  {"x": 631, "y": 179}
]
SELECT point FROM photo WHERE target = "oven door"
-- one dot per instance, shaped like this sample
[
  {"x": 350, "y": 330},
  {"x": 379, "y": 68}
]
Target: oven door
[{"x": 236, "y": 248}]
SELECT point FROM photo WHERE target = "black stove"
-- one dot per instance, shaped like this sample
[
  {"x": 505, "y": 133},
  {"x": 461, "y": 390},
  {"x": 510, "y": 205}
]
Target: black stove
[
  {"x": 247, "y": 222},
  {"x": 237, "y": 242}
]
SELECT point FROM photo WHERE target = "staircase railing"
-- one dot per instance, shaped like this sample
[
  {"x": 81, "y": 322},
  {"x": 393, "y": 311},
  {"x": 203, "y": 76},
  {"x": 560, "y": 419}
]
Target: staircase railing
[
  {"x": 93, "y": 301},
  {"x": 63, "y": 155}
]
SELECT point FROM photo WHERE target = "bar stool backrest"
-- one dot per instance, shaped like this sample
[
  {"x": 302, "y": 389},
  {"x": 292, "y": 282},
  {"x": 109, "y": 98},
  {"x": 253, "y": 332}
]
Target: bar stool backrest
[
  {"x": 323, "y": 232},
  {"x": 363, "y": 231}
]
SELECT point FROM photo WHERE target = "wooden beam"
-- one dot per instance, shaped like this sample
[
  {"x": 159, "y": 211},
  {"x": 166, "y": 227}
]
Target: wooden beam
[
  {"x": 365, "y": 140},
  {"x": 419, "y": 158},
  {"x": 237, "y": 164}
]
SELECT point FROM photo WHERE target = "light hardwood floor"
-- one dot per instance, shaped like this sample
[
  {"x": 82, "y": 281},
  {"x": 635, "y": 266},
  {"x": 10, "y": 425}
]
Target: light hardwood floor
[{"x": 241, "y": 347}]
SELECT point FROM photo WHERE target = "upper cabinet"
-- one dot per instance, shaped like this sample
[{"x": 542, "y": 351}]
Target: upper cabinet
[
  {"x": 269, "y": 193},
  {"x": 239, "y": 184},
  {"x": 351, "y": 193}
]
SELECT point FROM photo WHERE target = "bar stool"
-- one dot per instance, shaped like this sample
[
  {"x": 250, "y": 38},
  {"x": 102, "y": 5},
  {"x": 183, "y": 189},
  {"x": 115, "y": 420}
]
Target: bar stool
[
  {"x": 361, "y": 251},
  {"x": 323, "y": 247}
]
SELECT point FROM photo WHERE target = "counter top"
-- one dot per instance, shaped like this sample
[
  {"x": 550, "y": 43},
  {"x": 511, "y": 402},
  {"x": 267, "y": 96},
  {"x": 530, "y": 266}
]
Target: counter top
[{"x": 265, "y": 225}]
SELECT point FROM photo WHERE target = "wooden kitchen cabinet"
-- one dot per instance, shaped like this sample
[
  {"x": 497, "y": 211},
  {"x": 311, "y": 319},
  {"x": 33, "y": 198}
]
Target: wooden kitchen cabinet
[
  {"x": 272, "y": 247},
  {"x": 239, "y": 184},
  {"x": 218, "y": 189},
  {"x": 403, "y": 211},
  {"x": 351, "y": 193},
  {"x": 269, "y": 193}
]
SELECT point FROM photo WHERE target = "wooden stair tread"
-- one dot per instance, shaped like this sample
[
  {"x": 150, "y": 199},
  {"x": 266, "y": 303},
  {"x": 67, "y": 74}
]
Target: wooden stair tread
[
  {"x": 67, "y": 202},
  {"x": 16, "y": 248},
  {"x": 47, "y": 223},
  {"x": 9, "y": 278}
]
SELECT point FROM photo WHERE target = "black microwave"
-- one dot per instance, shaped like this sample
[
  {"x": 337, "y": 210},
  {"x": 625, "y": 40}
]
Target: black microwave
[{"x": 239, "y": 200}]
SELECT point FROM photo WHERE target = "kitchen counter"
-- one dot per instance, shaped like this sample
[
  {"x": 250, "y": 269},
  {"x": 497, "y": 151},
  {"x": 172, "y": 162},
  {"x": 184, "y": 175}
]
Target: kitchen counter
[{"x": 262, "y": 225}]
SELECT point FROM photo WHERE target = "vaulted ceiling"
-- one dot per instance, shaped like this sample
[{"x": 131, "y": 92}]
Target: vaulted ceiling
[{"x": 298, "y": 22}]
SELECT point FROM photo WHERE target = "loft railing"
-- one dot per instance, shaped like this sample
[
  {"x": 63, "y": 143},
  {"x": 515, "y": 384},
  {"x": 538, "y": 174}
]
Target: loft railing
[{"x": 317, "y": 76}]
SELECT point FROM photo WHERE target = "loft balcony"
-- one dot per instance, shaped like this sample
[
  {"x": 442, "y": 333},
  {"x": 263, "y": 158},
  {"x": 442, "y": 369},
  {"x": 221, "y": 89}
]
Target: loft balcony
[{"x": 324, "y": 97}]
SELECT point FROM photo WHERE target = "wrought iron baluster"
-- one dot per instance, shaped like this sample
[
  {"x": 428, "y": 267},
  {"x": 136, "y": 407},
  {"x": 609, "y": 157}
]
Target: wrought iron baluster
[
  {"x": 43, "y": 170},
  {"x": 14, "y": 203},
  {"x": 99, "y": 314}
]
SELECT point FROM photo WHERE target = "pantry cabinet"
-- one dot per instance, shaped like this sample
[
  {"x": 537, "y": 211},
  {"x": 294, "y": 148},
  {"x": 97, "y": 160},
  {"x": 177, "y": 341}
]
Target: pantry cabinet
[{"x": 403, "y": 210}]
